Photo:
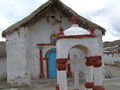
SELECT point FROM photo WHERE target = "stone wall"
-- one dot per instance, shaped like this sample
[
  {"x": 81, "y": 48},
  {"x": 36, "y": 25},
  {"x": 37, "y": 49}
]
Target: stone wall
[
  {"x": 17, "y": 57},
  {"x": 110, "y": 59},
  {"x": 3, "y": 70}
]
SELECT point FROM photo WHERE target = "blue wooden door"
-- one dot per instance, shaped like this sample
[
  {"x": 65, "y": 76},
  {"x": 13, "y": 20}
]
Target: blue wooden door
[{"x": 52, "y": 71}]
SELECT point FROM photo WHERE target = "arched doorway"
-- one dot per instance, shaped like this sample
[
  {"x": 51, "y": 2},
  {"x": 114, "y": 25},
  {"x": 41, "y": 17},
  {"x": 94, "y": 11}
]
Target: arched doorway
[
  {"x": 52, "y": 70},
  {"x": 77, "y": 60}
]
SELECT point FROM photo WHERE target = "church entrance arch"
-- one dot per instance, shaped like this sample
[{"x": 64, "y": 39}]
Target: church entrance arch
[{"x": 77, "y": 60}]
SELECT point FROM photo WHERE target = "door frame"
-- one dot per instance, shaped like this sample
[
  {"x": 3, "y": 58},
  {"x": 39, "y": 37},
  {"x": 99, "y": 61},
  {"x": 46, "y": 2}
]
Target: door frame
[{"x": 51, "y": 50}]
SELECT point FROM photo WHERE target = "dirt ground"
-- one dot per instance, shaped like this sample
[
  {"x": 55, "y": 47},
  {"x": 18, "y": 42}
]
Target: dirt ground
[{"x": 110, "y": 84}]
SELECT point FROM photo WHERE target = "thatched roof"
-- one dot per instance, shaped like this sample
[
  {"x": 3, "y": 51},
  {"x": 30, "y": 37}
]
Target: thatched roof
[
  {"x": 2, "y": 50},
  {"x": 34, "y": 16}
]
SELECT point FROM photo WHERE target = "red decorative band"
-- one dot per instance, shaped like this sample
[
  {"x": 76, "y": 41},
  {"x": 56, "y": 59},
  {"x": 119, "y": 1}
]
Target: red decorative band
[
  {"x": 61, "y": 63},
  {"x": 45, "y": 44},
  {"x": 62, "y": 60},
  {"x": 97, "y": 63},
  {"x": 94, "y": 58},
  {"x": 98, "y": 88},
  {"x": 61, "y": 67},
  {"x": 69, "y": 73},
  {"x": 57, "y": 87},
  {"x": 76, "y": 36},
  {"x": 89, "y": 63},
  {"x": 89, "y": 85},
  {"x": 94, "y": 61}
]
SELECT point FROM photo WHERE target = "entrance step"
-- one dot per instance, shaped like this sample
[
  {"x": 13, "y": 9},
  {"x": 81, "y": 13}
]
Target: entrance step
[{"x": 53, "y": 81}]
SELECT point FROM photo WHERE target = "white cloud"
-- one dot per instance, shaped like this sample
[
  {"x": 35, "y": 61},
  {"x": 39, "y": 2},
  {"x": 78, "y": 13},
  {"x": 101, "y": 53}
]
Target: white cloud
[
  {"x": 3, "y": 23},
  {"x": 85, "y": 6},
  {"x": 103, "y": 12}
]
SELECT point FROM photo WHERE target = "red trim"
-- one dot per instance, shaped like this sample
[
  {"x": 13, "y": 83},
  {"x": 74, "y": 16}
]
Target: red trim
[
  {"x": 62, "y": 60},
  {"x": 47, "y": 61},
  {"x": 69, "y": 73},
  {"x": 89, "y": 63},
  {"x": 61, "y": 30},
  {"x": 94, "y": 58},
  {"x": 49, "y": 51},
  {"x": 76, "y": 36},
  {"x": 98, "y": 88},
  {"x": 89, "y": 85},
  {"x": 61, "y": 66},
  {"x": 97, "y": 64},
  {"x": 61, "y": 63},
  {"x": 94, "y": 61},
  {"x": 92, "y": 29},
  {"x": 41, "y": 65},
  {"x": 57, "y": 87},
  {"x": 46, "y": 65},
  {"x": 46, "y": 44},
  {"x": 74, "y": 20}
]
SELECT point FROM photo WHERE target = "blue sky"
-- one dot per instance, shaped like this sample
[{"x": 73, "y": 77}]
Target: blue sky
[{"x": 103, "y": 12}]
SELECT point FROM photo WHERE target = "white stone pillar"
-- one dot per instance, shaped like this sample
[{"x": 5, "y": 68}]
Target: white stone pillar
[
  {"x": 89, "y": 85},
  {"x": 98, "y": 85},
  {"x": 89, "y": 75},
  {"x": 61, "y": 74},
  {"x": 62, "y": 80},
  {"x": 98, "y": 76}
]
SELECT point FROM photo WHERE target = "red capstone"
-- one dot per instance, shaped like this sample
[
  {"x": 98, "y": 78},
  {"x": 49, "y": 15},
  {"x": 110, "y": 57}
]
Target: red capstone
[
  {"x": 94, "y": 61},
  {"x": 98, "y": 88},
  {"x": 61, "y": 66},
  {"x": 57, "y": 87},
  {"x": 92, "y": 29},
  {"x": 74, "y": 20},
  {"x": 89, "y": 85},
  {"x": 89, "y": 63},
  {"x": 61, "y": 63},
  {"x": 61, "y": 29}
]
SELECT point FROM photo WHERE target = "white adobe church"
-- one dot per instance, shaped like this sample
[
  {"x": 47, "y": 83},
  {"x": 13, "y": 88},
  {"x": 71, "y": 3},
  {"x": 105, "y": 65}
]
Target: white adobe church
[{"x": 45, "y": 45}]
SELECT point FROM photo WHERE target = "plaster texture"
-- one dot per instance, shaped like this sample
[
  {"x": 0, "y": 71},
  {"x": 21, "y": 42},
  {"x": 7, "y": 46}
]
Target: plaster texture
[{"x": 3, "y": 70}]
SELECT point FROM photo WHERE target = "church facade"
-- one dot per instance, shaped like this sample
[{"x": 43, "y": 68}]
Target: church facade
[{"x": 31, "y": 44}]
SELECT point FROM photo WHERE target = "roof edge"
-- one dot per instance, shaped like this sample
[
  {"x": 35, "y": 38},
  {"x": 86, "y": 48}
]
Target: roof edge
[{"x": 25, "y": 20}]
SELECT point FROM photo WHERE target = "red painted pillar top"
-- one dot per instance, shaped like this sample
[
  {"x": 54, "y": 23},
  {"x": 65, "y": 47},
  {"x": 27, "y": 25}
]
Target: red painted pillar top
[
  {"x": 61, "y": 29},
  {"x": 74, "y": 20},
  {"x": 92, "y": 29}
]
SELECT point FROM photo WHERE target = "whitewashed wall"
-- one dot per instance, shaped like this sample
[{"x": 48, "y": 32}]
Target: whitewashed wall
[
  {"x": 40, "y": 33},
  {"x": 22, "y": 52},
  {"x": 3, "y": 70},
  {"x": 17, "y": 57},
  {"x": 100, "y": 41},
  {"x": 110, "y": 58}
]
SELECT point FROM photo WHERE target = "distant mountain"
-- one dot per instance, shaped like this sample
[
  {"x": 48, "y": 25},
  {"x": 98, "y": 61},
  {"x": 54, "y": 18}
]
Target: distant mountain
[{"x": 112, "y": 43}]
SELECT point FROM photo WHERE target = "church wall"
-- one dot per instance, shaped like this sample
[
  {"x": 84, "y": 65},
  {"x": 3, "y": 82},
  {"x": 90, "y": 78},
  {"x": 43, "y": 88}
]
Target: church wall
[
  {"x": 40, "y": 33},
  {"x": 100, "y": 41},
  {"x": 111, "y": 58},
  {"x": 37, "y": 33},
  {"x": 3, "y": 70},
  {"x": 17, "y": 57}
]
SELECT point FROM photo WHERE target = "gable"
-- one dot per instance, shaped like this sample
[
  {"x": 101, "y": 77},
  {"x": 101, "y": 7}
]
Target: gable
[{"x": 38, "y": 13}]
